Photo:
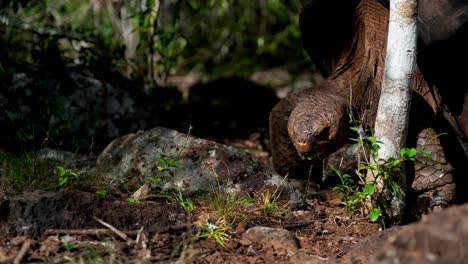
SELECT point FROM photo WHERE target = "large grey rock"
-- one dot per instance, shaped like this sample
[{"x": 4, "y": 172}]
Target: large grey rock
[{"x": 203, "y": 165}]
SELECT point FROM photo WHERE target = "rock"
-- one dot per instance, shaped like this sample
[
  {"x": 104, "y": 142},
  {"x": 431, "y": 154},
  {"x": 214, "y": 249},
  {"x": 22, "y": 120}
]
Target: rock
[
  {"x": 300, "y": 257},
  {"x": 192, "y": 165},
  {"x": 439, "y": 238},
  {"x": 277, "y": 237}
]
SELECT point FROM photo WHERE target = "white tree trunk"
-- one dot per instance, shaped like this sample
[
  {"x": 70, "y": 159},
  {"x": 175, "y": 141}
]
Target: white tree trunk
[{"x": 391, "y": 123}]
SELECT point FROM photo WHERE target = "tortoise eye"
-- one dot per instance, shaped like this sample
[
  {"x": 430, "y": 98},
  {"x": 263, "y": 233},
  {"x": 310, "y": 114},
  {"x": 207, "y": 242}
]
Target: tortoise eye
[{"x": 323, "y": 135}]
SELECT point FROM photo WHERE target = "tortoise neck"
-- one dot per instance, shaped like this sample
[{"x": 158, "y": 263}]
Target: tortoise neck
[{"x": 360, "y": 69}]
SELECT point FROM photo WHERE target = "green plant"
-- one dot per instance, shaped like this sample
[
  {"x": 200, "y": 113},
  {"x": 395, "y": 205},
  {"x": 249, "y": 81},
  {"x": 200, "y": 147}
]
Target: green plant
[
  {"x": 248, "y": 200},
  {"x": 230, "y": 207},
  {"x": 21, "y": 172},
  {"x": 153, "y": 179},
  {"x": 68, "y": 246},
  {"x": 269, "y": 203},
  {"x": 68, "y": 243},
  {"x": 219, "y": 232},
  {"x": 102, "y": 193},
  {"x": 178, "y": 197},
  {"x": 65, "y": 175},
  {"x": 168, "y": 164},
  {"x": 134, "y": 200},
  {"x": 354, "y": 194}
]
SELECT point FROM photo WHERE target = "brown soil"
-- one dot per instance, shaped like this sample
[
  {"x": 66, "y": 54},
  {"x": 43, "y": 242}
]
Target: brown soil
[
  {"x": 28, "y": 221},
  {"x": 70, "y": 226}
]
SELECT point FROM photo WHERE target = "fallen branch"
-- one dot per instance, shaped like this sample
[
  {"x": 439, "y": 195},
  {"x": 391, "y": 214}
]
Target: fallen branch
[
  {"x": 22, "y": 253},
  {"x": 85, "y": 232},
  {"x": 114, "y": 230},
  {"x": 104, "y": 231}
]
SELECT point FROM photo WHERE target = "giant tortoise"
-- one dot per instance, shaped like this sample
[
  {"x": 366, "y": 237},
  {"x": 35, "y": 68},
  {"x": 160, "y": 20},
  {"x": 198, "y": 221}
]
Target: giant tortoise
[{"x": 347, "y": 41}]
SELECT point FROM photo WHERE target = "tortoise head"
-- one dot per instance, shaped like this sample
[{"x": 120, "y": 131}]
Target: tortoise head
[{"x": 316, "y": 132}]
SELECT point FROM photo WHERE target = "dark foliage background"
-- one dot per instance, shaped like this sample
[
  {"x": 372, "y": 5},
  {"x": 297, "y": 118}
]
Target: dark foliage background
[
  {"x": 96, "y": 65},
  {"x": 154, "y": 38}
]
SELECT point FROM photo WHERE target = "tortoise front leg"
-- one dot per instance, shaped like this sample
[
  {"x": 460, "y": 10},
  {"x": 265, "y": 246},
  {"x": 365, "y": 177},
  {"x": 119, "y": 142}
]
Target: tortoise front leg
[{"x": 433, "y": 176}]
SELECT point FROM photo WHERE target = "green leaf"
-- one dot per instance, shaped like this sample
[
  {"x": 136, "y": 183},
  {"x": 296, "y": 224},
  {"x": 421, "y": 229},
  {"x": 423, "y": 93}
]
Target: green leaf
[
  {"x": 374, "y": 214},
  {"x": 369, "y": 189},
  {"x": 153, "y": 179},
  {"x": 102, "y": 193},
  {"x": 363, "y": 166},
  {"x": 395, "y": 162},
  {"x": 395, "y": 187},
  {"x": 382, "y": 201},
  {"x": 171, "y": 163},
  {"x": 68, "y": 246},
  {"x": 63, "y": 181},
  {"x": 61, "y": 170},
  {"x": 410, "y": 152},
  {"x": 373, "y": 166},
  {"x": 248, "y": 200},
  {"x": 427, "y": 154},
  {"x": 371, "y": 139},
  {"x": 133, "y": 200}
]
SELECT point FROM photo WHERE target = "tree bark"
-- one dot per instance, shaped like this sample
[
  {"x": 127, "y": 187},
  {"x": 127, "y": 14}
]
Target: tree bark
[{"x": 392, "y": 119}]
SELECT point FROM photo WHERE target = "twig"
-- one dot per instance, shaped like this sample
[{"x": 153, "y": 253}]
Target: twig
[
  {"x": 115, "y": 230},
  {"x": 345, "y": 238},
  {"x": 103, "y": 231},
  {"x": 22, "y": 253},
  {"x": 141, "y": 238},
  {"x": 84, "y": 232}
]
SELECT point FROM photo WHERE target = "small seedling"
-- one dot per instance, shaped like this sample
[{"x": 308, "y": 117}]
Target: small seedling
[
  {"x": 229, "y": 207},
  {"x": 168, "y": 165},
  {"x": 178, "y": 197},
  {"x": 134, "y": 200},
  {"x": 153, "y": 179},
  {"x": 68, "y": 246},
  {"x": 218, "y": 232},
  {"x": 248, "y": 200},
  {"x": 269, "y": 203},
  {"x": 65, "y": 175},
  {"x": 183, "y": 201},
  {"x": 102, "y": 193},
  {"x": 68, "y": 242}
]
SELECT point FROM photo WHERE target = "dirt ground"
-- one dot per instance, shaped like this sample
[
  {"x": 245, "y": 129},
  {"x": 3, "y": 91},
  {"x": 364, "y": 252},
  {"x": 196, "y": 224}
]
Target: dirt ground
[
  {"x": 64, "y": 226},
  {"x": 72, "y": 226}
]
